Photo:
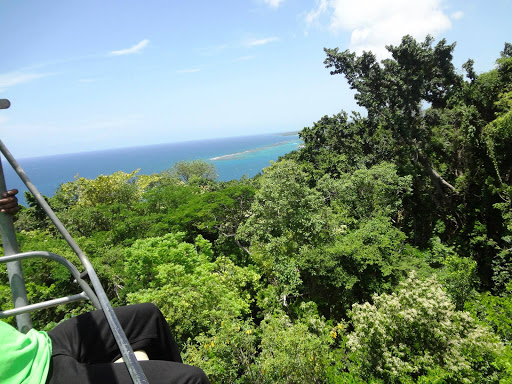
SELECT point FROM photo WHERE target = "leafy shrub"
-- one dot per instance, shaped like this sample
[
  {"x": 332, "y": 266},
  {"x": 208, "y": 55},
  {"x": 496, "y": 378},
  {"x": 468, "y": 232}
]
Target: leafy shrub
[{"x": 416, "y": 334}]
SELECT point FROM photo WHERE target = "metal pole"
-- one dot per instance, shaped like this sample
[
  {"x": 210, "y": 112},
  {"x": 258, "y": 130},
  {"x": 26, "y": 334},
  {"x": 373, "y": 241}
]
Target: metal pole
[
  {"x": 14, "y": 269},
  {"x": 10, "y": 245}
]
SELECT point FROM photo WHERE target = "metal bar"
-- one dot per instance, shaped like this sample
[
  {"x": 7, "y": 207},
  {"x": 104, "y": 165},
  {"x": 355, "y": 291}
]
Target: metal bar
[
  {"x": 43, "y": 305},
  {"x": 61, "y": 260},
  {"x": 125, "y": 348},
  {"x": 14, "y": 269}
]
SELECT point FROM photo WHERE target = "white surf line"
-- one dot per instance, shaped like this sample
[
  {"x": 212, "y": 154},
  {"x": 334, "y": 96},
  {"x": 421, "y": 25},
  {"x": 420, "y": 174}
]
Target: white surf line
[{"x": 225, "y": 157}]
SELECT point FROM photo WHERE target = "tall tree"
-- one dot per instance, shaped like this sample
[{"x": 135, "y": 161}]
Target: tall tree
[{"x": 395, "y": 91}]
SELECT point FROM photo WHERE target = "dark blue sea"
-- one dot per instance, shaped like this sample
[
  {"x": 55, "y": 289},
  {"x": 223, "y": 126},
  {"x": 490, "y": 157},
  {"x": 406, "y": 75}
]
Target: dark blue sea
[{"x": 233, "y": 157}]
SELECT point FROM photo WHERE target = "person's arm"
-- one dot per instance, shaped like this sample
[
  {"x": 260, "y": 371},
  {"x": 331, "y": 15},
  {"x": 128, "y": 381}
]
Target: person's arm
[{"x": 9, "y": 202}]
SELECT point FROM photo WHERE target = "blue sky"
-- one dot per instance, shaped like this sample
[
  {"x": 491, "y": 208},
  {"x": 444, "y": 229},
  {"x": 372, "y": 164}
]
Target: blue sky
[{"x": 90, "y": 75}]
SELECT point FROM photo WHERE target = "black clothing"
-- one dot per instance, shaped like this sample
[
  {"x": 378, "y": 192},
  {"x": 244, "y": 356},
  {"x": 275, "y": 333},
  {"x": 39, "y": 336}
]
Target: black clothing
[{"x": 84, "y": 349}]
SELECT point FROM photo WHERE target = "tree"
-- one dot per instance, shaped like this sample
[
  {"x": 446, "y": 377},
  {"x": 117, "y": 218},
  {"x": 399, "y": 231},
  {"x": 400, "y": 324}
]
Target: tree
[
  {"x": 226, "y": 352},
  {"x": 297, "y": 351},
  {"x": 193, "y": 292},
  {"x": 195, "y": 171},
  {"x": 393, "y": 93},
  {"x": 359, "y": 263},
  {"x": 286, "y": 214},
  {"x": 120, "y": 187},
  {"x": 495, "y": 311},
  {"x": 224, "y": 210},
  {"x": 416, "y": 333},
  {"x": 284, "y": 205},
  {"x": 279, "y": 350},
  {"x": 337, "y": 144},
  {"x": 367, "y": 193}
]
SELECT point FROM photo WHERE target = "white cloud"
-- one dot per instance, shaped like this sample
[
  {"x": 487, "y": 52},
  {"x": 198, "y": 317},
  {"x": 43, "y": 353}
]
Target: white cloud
[
  {"x": 313, "y": 16},
  {"x": 130, "y": 51},
  {"x": 273, "y": 3},
  {"x": 12, "y": 79},
  {"x": 373, "y": 24},
  {"x": 457, "y": 15},
  {"x": 267, "y": 40}
]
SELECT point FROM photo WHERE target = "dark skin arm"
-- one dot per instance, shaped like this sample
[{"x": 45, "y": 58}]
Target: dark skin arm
[{"x": 9, "y": 202}]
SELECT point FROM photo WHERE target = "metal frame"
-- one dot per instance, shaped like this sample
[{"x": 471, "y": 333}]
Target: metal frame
[
  {"x": 87, "y": 293},
  {"x": 16, "y": 280}
]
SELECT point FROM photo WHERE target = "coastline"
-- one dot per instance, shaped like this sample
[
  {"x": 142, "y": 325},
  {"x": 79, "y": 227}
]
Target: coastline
[{"x": 240, "y": 155}]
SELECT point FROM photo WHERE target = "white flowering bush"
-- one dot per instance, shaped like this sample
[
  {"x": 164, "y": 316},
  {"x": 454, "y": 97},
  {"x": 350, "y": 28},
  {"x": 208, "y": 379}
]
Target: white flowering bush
[{"x": 416, "y": 335}]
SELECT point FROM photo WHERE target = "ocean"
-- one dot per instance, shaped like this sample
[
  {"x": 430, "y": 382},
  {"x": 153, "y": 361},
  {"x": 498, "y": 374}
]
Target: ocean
[{"x": 233, "y": 157}]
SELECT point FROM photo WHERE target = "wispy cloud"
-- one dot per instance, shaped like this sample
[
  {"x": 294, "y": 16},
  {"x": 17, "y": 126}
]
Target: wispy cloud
[
  {"x": 273, "y": 3},
  {"x": 264, "y": 41},
  {"x": 313, "y": 16},
  {"x": 132, "y": 50},
  {"x": 188, "y": 70},
  {"x": 457, "y": 15},
  {"x": 375, "y": 23},
  {"x": 12, "y": 79}
]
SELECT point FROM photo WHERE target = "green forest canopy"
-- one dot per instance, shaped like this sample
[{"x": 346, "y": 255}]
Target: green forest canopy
[{"x": 381, "y": 251}]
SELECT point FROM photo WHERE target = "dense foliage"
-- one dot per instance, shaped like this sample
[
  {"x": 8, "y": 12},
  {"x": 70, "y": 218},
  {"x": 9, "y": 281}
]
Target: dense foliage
[{"x": 381, "y": 251}]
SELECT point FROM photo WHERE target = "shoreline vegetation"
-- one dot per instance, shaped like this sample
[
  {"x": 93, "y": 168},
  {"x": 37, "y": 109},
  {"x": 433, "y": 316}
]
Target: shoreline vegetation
[
  {"x": 290, "y": 133},
  {"x": 379, "y": 251}
]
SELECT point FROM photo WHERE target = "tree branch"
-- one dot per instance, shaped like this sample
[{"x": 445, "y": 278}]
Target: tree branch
[
  {"x": 237, "y": 242},
  {"x": 434, "y": 175}
]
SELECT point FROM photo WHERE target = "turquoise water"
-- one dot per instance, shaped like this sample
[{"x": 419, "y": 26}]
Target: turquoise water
[{"x": 233, "y": 157}]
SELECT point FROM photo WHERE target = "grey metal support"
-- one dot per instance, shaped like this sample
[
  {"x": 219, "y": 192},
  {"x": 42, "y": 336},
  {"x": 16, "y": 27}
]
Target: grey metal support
[
  {"x": 87, "y": 294},
  {"x": 10, "y": 245},
  {"x": 43, "y": 305},
  {"x": 14, "y": 269}
]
